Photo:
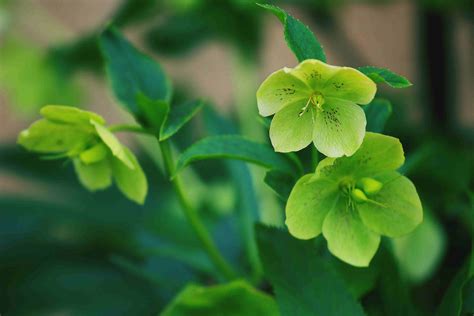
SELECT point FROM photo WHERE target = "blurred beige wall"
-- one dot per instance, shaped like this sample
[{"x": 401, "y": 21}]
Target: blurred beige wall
[{"x": 382, "y": 35}]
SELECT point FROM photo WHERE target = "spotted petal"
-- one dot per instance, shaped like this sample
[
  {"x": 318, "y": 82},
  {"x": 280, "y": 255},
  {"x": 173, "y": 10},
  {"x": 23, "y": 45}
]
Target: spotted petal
[
  {"x": 351, "y": 85},
  {"x": 308, "y": 205},
  {"x": 315, "y": 73},
  {"x": 377, "y": 154},
  {"x": 347, "y": 237},
  {"x": 397, "y": 210},
  {"x": 339, "y": 129},
  {"x": 290, "y": 131},
  {"x": 280, "y": 89}
]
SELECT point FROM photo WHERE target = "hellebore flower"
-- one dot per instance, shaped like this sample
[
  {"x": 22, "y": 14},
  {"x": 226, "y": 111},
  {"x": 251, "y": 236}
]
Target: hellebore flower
[
  {"x": 97, "y": 155},
  {"x": 316, "y": 102},
  {"x": 353, "y": 200}
]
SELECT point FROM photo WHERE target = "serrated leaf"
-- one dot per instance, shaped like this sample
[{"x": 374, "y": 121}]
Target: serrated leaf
[
  {"x": 132, "y": 72},
  {"x": 232, "y": 299},
  {"x": 377, "y": 113},
  {"x": 154, "y": 112},
  {"x": 304, "y": 285},
  {"x": 234, "y": 147},
  {"x": 298, "y": 36},
  {"x": 382, "y": 75},
  {"x": 178, "y": 116}
]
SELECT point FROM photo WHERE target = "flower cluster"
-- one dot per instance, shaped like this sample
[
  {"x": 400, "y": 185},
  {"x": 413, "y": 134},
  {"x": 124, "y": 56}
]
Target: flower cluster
[
  {"x": 355, "y": 195},
  {"x": 97, "y": 155}
]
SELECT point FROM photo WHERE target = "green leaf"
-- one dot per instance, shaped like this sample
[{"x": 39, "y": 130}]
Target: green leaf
[
  {"x": 377, "y": 113},
  {"x": 154, "y": 112},
  {"x": 298, "y": 36},
  {"x": 420, "y": 252},
  {"x": 233, "y": 299},
  {"x": 452, "y": 302},
  {"x": 382, "y": 75},
  {"x": 131, "y": 182},
  {"x": 113, "y": 143},
  {"x": 69, "y": 115},
  {"x": 131, "y": 72},
  {"x": 44, "y": 136},
  {"x": 94, "y": 176},
  {"x": 234, "y": 147},
  {"x": 178, "y": 116},
  {"x": 396, "y": 209},
  {"x": 308, "y": 205},
  {"x": 304, "y": 284},
  {"x": 348, "y": 238},
  {"x": 282, "y": 183}
]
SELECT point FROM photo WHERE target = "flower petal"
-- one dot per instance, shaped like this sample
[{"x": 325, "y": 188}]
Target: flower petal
[
  {"x": 339, "y": 128},
  {"x": 308, "y": 205},
  {"x": 397, "y": 210},
  {"x": 378, "y": 153},
  {"x": 69, "y": 115},
  {"x": 113, "y": 143},
  {"x": 289, "y": 131},
  {"x": 131, "y": 182},
  {"x": 314, "y": 73},
  {"x": 347, "y": 237},
  {"x": 280, "y": 89},
  {"x": 351, "y": 85},
  {"x": 95, "y": 176}
]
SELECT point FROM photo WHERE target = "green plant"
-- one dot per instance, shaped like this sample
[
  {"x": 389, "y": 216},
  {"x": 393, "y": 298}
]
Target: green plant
[{"x": 353, "y": 196}]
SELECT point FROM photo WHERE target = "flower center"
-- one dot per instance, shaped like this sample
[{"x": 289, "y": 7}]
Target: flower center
[
  {"x": 316, "y": 100},
  {"x": 358, "y": 191}
]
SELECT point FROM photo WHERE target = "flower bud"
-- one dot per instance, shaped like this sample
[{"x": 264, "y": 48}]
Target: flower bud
[
  {"x": 369, "y": 186},
  {"x": 358, "y": 195}
]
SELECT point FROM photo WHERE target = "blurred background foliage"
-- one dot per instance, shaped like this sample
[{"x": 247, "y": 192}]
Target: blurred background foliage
[{"x": 64, "y": 251}]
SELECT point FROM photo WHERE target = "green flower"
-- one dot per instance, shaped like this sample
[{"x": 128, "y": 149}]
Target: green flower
[
  {"x": 97, "y": 155},
  {"x": 316, "y": 102},
  {"x": 353, "y": 200}
]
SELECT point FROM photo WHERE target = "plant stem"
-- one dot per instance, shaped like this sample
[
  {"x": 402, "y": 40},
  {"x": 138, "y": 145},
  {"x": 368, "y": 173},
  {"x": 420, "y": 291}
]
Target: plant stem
[
  {"x": 204, "y": 237},
  {"x": 128, "y": 128}
]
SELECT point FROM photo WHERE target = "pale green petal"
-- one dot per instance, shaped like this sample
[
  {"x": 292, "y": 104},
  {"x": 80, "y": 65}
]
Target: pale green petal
[
  {"x": 347, "y": 237},
  {"x": 351, "y": 85},
  {"x": 279, "y": 90},
  {"x": 339, "y": 128},
  {"x": 314, "y": 73},
  {"x": 131, "y": 182},
  {"x": 308, "y": 205},
  {"x": 289, "y": 131},
  {"x": 378, "y": 153},
  {"x": 397, "y": 210},
  {"x": 69, "y": 115},
  {"x": 96, "y": 176},
  {"x": 94, "y": 154},
  {"x": 113, "y": 143},
  {"x": 47, "y": 137}
]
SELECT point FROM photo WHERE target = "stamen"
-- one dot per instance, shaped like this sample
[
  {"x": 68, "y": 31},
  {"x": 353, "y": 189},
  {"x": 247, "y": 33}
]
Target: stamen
[{"x": 305, "y": 108}]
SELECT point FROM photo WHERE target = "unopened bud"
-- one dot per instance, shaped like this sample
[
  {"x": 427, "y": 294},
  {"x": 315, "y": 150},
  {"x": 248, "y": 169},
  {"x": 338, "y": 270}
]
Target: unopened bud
[
  {"x": 369, "y": 186},
  {"x": 358, "y": 195}
]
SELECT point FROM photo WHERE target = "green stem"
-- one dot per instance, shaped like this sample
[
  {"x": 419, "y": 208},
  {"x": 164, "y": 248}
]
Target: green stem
[
  {"x": 193, "y": 217},
  {"x": 129, "y": 128}
]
